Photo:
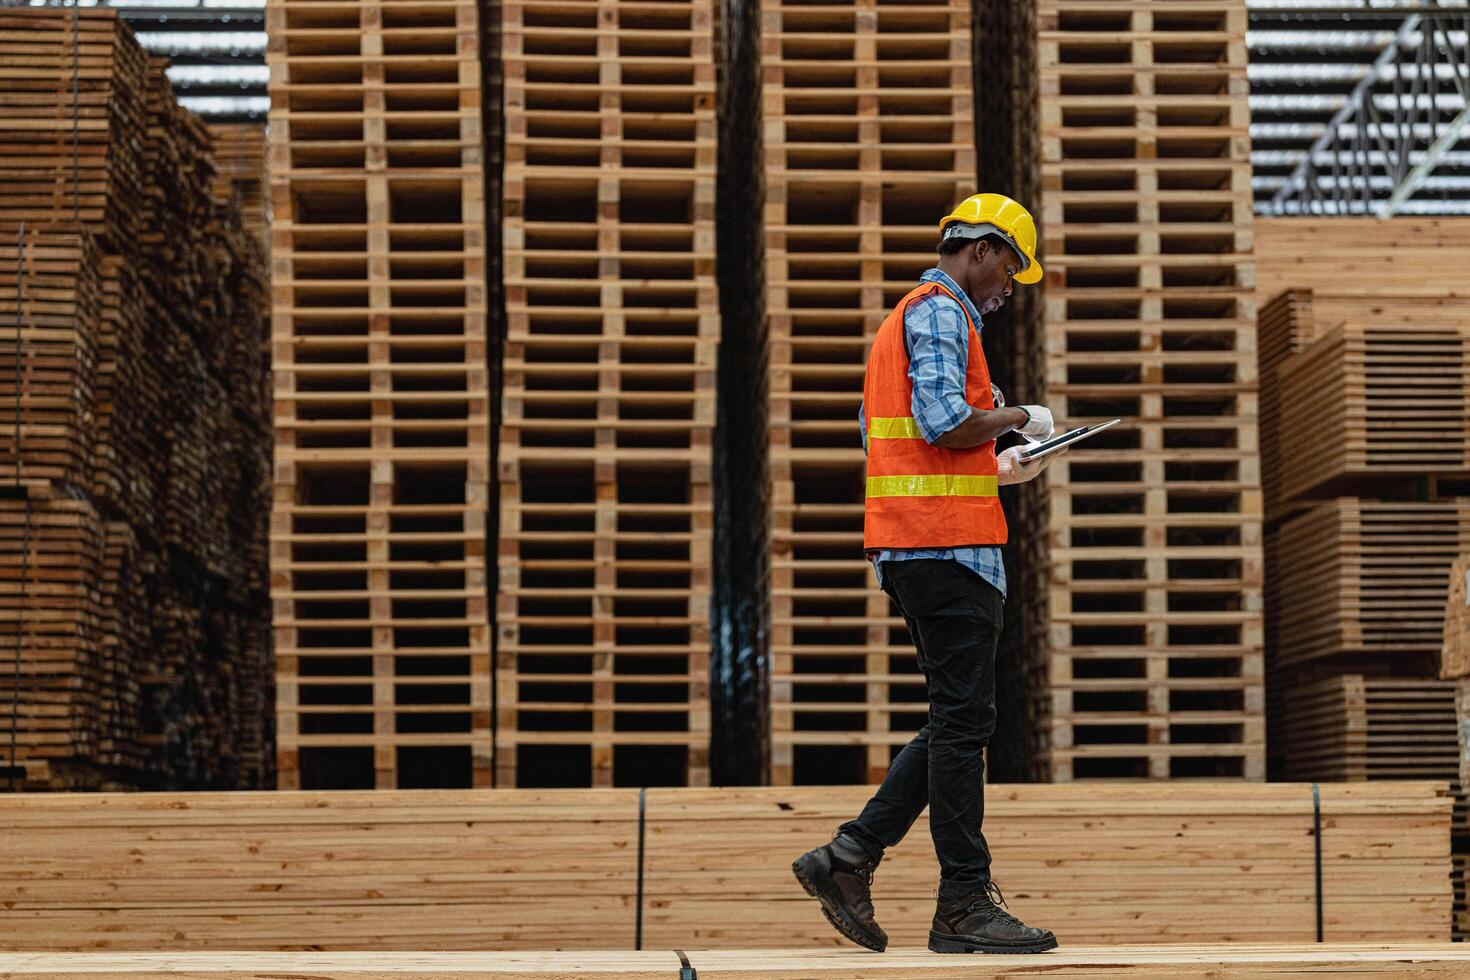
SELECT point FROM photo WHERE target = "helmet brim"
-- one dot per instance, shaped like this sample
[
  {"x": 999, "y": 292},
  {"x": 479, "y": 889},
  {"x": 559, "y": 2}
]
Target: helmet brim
[{"x": 1030, "y": 274}]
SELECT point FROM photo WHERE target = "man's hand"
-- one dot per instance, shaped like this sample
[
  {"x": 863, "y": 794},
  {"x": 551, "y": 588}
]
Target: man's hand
[{"x": 1012, "y": 470}]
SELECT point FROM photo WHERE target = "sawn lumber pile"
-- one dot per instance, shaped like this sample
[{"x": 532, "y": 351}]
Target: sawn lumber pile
[
  {"x": 133, "y": 478},
  {"x": 508, "y": 869}
]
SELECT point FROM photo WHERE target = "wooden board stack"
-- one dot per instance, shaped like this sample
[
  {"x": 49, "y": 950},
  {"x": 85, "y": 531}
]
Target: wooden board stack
[
  {"x": 869, "y": 141},
  {"x": 378, "y": 567},
  {"x": 1362, "y": 391},
  {"x": 1152, "y": 665},
  {"x": 1365, "y": 458},
  {"x": 135, "y": 509},
  {"x": 1401, "y": 259},
  {"x": 612, "y": 331},
  {"x": 1353, "y": 728},
  {"x": 239, "y": 158},
  {"x": 508, "y": 869},
  {"x": 1360, "y": 585}
]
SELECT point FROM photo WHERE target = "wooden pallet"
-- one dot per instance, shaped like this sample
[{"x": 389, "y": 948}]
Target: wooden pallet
[
  {"x": 606, "y": 512},
  {"x": 1228, "y": 962},
  {"x": 1151, "y": 662},
  {"x": 869, "y": 139},
  {"x": 382, "y": 395},
  {"x": 1361, "y": 584},
  {"x": 456, "y": 870}
]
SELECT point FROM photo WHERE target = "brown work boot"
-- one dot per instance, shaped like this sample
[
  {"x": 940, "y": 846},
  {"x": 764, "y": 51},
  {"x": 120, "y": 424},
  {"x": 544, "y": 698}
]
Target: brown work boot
[
  {"x": 979, "y": 922},
  {"x": 840, "y": 876}
]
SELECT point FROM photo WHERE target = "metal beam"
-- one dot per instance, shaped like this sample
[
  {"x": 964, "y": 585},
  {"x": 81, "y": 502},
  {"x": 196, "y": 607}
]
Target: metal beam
[{"x": 1414, "y": 178}]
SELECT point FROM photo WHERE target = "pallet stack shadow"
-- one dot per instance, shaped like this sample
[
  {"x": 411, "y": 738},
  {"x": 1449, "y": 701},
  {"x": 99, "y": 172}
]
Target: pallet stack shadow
[
  {"x": 135, "y": 477},
  {"x": 1152, "y": 664},
  {"x": 1007, "y": 91},
  {"x": 606, "y": 511},
  {"x": 869, "y": 141},
  {"x": 378, "y": 566}
]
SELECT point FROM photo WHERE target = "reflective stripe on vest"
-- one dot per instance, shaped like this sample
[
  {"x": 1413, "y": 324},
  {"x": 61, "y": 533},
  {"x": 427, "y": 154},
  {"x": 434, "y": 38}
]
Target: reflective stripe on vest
[
  {"x": 896, "y": 428},
  {"x": 935, "y": 485}
]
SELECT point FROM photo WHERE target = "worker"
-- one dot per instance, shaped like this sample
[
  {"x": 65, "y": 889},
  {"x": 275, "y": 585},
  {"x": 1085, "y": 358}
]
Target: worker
[{"x": 933, "y": 527}]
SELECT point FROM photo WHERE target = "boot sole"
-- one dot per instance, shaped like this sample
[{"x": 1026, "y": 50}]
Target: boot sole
[
  {"x": 806, "y": 869},
  {"x": 959, "y": 944}
]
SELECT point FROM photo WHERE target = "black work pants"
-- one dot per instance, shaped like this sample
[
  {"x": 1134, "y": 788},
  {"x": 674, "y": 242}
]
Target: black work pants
[{"x": 954, "y": 617}]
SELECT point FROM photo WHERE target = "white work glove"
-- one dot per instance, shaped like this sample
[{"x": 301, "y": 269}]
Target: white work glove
[
  {"x": 998, "y": 396},
  {"x": 1039, "y": 425},
  {"x": 1011, "y": 470}
]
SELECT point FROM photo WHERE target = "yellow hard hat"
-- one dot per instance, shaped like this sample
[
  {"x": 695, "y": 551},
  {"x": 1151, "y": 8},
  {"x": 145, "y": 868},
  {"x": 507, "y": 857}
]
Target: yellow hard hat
[{"x": 996, "y": 214}]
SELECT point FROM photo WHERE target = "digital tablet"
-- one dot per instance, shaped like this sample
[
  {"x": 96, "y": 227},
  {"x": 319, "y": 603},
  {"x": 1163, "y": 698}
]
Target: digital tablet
[{"x": 1040, "y": 449}]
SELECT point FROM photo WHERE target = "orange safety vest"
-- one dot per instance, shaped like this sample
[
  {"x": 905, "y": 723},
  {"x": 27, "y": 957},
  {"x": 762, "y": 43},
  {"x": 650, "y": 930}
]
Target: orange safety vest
[{"x": 918, "y": 495}]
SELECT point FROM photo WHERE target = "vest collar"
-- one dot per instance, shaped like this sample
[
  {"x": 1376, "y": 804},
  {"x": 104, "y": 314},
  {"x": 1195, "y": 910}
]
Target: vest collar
[{"x": 934, "y": 275}]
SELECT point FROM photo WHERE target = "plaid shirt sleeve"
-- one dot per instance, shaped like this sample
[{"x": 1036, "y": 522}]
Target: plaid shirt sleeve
[{"x": 937, "y": 335}]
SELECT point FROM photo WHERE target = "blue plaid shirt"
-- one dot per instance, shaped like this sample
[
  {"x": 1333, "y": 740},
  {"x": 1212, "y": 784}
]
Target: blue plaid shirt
[{"x": 938, "y": 340}]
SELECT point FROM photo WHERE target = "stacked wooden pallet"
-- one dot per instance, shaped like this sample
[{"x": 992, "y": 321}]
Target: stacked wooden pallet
[
  {"x": 1153, "y": 655},
  {"x": 121, "y": 297},
  {"x": 381, "y": 395},
  {"x": 604, "y": 457},
  {"x": 869, "y": 141},
  {"x": 1454, "y": 658},
  {"x": 509, "y": 869}
]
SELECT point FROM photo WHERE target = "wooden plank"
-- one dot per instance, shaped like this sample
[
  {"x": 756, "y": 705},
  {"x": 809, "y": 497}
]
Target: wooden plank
[{"x": 1226, "y": 962}]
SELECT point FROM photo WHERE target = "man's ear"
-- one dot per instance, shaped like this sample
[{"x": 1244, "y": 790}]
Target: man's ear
[{"x": 982, "y": 249}]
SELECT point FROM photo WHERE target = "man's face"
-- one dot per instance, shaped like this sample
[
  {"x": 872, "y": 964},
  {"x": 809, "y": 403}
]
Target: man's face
[{"x": 995, "y": 268}]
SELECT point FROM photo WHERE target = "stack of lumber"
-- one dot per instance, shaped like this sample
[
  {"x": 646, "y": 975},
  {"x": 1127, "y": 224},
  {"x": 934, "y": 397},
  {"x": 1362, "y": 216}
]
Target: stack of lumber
[
  {"x": 135, "y": 470},
  {"x": 239, "y": 158},
  {"x": 1353, "y": 728},
  {"x": 509, "y": 869},
  {"x": 1365, "y": 458},
  {"x": 1225, "y": 962},
  {"x": 1400, "y": 259},
  {"x": 1361, "y": 393},
  {"x": 1151, "y": 664},
  {"x": 378, "y": 566},
  {"x": 869, "y": 139},
  {"x": 606, "y": 510},
  {"x": 1360, "y": 585}
]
